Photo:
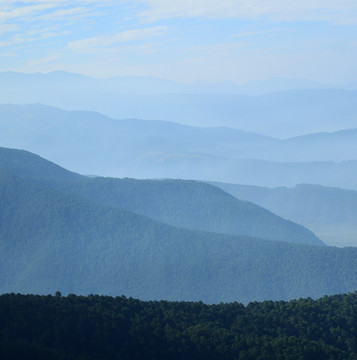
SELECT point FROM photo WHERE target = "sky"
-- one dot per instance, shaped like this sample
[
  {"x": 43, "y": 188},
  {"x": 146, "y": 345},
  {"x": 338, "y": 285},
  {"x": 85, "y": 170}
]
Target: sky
[{"x": 183, "y": 40}]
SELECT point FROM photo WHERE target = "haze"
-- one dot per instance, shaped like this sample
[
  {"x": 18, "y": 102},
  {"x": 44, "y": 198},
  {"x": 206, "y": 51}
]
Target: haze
[{"x": 185, "y": 41}]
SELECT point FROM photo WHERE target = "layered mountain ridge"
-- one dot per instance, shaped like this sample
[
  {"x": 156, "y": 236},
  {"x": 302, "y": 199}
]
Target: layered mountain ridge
[
  {"x": 330, "y": 212},
  {"x": 90, "y": 143},
  {"x": 56, "y": 239},
  {"x": 284, "y": 110}
]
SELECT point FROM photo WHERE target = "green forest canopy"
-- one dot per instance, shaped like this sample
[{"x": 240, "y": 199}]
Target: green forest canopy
[{"x": 102, "y": 327}]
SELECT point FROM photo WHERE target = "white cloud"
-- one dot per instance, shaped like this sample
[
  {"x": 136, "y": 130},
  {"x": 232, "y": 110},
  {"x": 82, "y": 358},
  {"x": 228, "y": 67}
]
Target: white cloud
[
  {"x": 10, "y": 13},
  {"x": 44, "y": 60},
  {"x": 252, "y": 33},
  {"x": 7, "y": 28},
  {"x": 338, "y": 11},
  {"x": 26, "y": 10},
  {"x": 97, "y": 42},
  {"x": 75, "y": 12},
  {"x": 32, "y": 35},
  {"x": 27, "y": 21}
]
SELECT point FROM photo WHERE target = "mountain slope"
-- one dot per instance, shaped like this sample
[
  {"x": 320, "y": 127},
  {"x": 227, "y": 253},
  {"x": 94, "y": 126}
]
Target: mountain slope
[
  {"x": 281, "y": 114},
  {"x": 324, "y": 146},
  {"x": 52, "y": 241},
  {"x": 25, "y": 164},
  {"x": 193, "y": 205},
  {"x": 187, "y": 204},
  {"x": 90, "y": 143},
  {"x": 329, "y": 212}
]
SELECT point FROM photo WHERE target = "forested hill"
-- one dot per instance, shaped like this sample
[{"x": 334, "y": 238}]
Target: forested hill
[
  {"x": 187, "y": 204},
  {"x": 192, "y": 205},
  {"x": 102, "y": 327},
  {"x": 52, "y": 241},
  {"x": 26, "y": 164},
  {"x": 330, "y": 213}
]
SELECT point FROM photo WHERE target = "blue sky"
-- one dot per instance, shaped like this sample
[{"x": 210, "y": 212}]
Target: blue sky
[{"x": 183, "y": 40}]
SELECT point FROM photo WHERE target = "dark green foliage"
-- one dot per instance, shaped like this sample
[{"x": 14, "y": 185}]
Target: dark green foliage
[{"x": 102, "y": 327}]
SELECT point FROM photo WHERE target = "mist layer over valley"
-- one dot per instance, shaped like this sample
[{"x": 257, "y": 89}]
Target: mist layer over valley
[
  {"x": 279, "y": 108},
  {"x": 90, "y": 143}
]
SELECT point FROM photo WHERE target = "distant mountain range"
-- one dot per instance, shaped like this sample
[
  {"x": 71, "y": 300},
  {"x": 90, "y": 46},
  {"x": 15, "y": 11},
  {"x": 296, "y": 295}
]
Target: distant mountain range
[
  {"x": 91, "y": 143},
  {"x": 151, "y": 85},
  {"x": 325, "y": 146},
  {"x": 330, "y": 212},
  {"x": 286, "y": 108},
  {"x": 61, "y": 231}
]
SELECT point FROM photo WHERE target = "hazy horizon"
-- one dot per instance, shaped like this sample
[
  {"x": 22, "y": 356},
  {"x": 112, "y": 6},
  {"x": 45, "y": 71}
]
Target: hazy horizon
[{"x": 209, "y": 41}]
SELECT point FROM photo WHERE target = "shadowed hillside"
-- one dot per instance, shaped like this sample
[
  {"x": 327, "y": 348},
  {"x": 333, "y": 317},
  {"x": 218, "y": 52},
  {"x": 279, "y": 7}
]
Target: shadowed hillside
[
  {"x": 329, "y": 212},
  {"x": 51, "y": 240},
  {"x": 187, "y": 204}
]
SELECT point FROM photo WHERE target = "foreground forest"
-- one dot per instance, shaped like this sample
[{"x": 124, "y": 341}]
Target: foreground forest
[{"x": 102, "y": 327}]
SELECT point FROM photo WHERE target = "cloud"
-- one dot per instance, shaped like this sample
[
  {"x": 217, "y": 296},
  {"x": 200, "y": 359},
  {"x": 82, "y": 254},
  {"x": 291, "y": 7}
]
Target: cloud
[
  {"x": 336, "y": 11},
  {"x": 342, "y": 11},
  {"x": 97, "y": 42},
  {"x": 12, "y": 10},
  {"x": 26, "y": 21},
  {"x": 33, "y": 35},
  {"x": 252, "y": 33},
  {"x": 44, "y": 60},
  {"x": 8, "y": 28},
  {"x": 58, "y": 14}
]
